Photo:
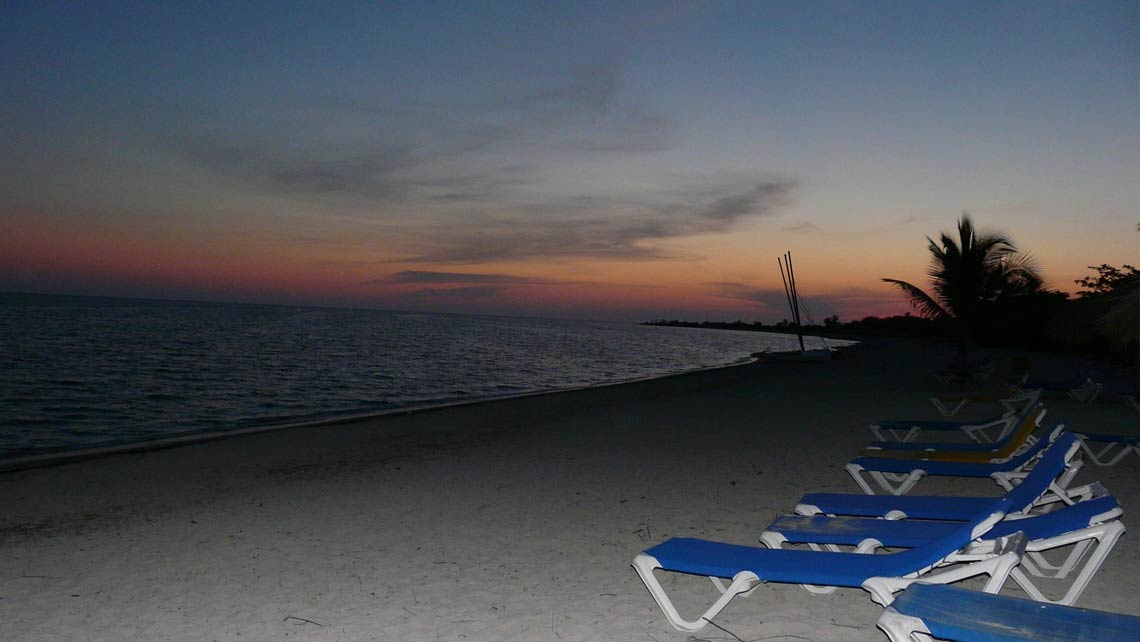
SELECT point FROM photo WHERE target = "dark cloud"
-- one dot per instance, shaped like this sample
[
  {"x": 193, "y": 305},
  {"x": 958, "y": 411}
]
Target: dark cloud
[
  {"x": 768, "y": 299},
  {"x": 418, "y": 276},
  {"x": 801, "y": 228},
  {"x": 606, "y": 228},
  {"x": 471, "y": 187},
  {"x": 454, "y": 181},
  {"x": 276, "y": 167},
  {"x": 760, "y": 200},
  {"x": 375, "y": 174},
  {"x": 820, "y": 306}
]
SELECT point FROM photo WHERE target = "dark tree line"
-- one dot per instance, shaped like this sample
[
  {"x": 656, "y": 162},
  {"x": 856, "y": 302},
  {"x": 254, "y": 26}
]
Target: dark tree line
[{"x": 984, "y": 291}]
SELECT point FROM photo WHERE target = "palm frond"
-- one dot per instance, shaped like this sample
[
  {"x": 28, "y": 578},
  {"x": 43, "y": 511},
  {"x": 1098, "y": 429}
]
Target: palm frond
[
  {"x": 926, "y": 305},
  {"x": 1023, "y": 271}
]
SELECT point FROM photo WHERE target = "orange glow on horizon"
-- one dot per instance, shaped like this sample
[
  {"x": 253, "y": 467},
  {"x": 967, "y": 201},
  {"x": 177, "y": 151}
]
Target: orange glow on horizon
[{"x": 730, "y": 284}]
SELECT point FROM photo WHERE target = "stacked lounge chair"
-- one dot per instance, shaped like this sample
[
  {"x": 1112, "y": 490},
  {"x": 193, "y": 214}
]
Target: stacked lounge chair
[
  {"x": 1008, "y": 395},
  {"x": 746, "y": 567},
  {"x": 897, "y": 475},
  {"x": 1081, "y": 388},
  {"x": 1085, "y": 521},
  {"x": 956, "y": 371},
  {"x": 1016, "y": 429},
  {"x": 931, "y": 541},
  {"x": 986, "y": 430}
]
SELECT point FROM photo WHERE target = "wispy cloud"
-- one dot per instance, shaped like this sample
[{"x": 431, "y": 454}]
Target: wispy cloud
[
  {"x": 607, "y": 228},
  {"x": 472, "y": 185},
  {"x": 375, "y": 173},
  {"x": 587, "y": 92},
  {"x": 376, "y": 153},
  {"x": 768, "y": 299},
  {"x": 806, "y": 227},
  {"x": 427, "y": 277}
]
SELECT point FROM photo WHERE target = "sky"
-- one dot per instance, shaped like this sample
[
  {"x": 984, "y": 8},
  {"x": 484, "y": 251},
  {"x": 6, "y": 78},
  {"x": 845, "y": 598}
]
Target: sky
[{"x": 609, "y": 160}]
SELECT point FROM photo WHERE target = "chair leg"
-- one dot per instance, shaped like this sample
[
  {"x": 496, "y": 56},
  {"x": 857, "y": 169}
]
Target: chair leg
[
  {"x": 1101, "y": 539},
  {"x": 998, "y": 568},
  {"x": 894, "y": 434},
  {"x": 1105, "y": 456},
  {"x": 724, "y": 588},
  {"x": 1086, "y": 392},
  {"x": 777, "y": 540},
  {"x": 1042, "y": 567},
  {"x": 1131, "y": 402},
  {"x": 773, "y": 539},
  {"x": 948, "y": 408},
  {"x": 903, "y": 628},
  {"x": 891, "y": 483},
  {"x": 644, "y": 565}
]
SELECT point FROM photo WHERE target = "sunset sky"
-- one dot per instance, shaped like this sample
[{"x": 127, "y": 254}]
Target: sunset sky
[{"x": 615, "y": 160}]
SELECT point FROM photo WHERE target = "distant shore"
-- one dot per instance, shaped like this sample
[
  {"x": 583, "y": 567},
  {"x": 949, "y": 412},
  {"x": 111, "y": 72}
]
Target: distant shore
[{"x": 505, "y": 520}]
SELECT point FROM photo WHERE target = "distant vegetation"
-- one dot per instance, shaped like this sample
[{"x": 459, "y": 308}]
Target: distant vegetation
[
  {"x": 984, "y": 291},
  {"x": 897, "y": 326},
  {"x": 973, "y": 278}
]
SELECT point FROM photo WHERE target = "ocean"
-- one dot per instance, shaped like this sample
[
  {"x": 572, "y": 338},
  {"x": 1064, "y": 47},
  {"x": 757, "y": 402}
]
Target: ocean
[{"x": 87, "y": 372}]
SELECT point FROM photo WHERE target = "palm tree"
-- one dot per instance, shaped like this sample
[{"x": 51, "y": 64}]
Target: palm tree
[{"x": 968, "y": 273}]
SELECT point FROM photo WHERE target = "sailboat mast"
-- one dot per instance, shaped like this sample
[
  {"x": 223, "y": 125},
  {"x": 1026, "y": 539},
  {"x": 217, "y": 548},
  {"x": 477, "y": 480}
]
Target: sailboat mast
[{"x": 792, "y": 295}]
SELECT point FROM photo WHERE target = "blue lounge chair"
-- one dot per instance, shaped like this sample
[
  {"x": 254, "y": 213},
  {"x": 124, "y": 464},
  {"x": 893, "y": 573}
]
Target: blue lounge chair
[
  {"x": 979, "y": 370},
  {"x": 904, "y": 430},
  {"x": 1081, "y": 388},
  {"x": 1088, "y": 530},
  {"x": 1020, "y": 430},
  {"x": 749, "y": 566},
  {"x": 1108, "y": 450},
  {"x": 897, "y": 476},
  {"x": 948, "y": 404},
  {"x": 960, "y": 615},
  {"x": 1035, "y": 492},
  {"x": 1092, "y": 520},
  {"x": 982, "y": 431}
]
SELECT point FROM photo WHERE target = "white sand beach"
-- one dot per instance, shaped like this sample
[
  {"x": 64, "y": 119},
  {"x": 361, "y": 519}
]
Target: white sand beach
[{"x": 508, "y": 520}]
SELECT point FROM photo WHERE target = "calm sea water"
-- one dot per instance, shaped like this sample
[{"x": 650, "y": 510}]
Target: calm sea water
[{"x": 82, "y": 372}]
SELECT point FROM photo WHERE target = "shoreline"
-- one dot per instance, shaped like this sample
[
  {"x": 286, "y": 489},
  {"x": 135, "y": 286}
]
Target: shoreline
[
  {"x": 174, "y": 380},
  {"x": 27, "y": 462},
  {"x": 506, "y": 520}
]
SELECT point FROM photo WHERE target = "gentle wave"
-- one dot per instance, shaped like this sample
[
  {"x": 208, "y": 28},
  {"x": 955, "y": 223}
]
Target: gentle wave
[{"x": 89, "y": 372}]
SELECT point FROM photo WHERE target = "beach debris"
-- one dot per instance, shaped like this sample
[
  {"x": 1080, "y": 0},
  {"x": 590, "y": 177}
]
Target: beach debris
[
  {"x": 779, "y": 636},
  {"x": 300, "y": 621},
  {"x": 643, "y": 533}
]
